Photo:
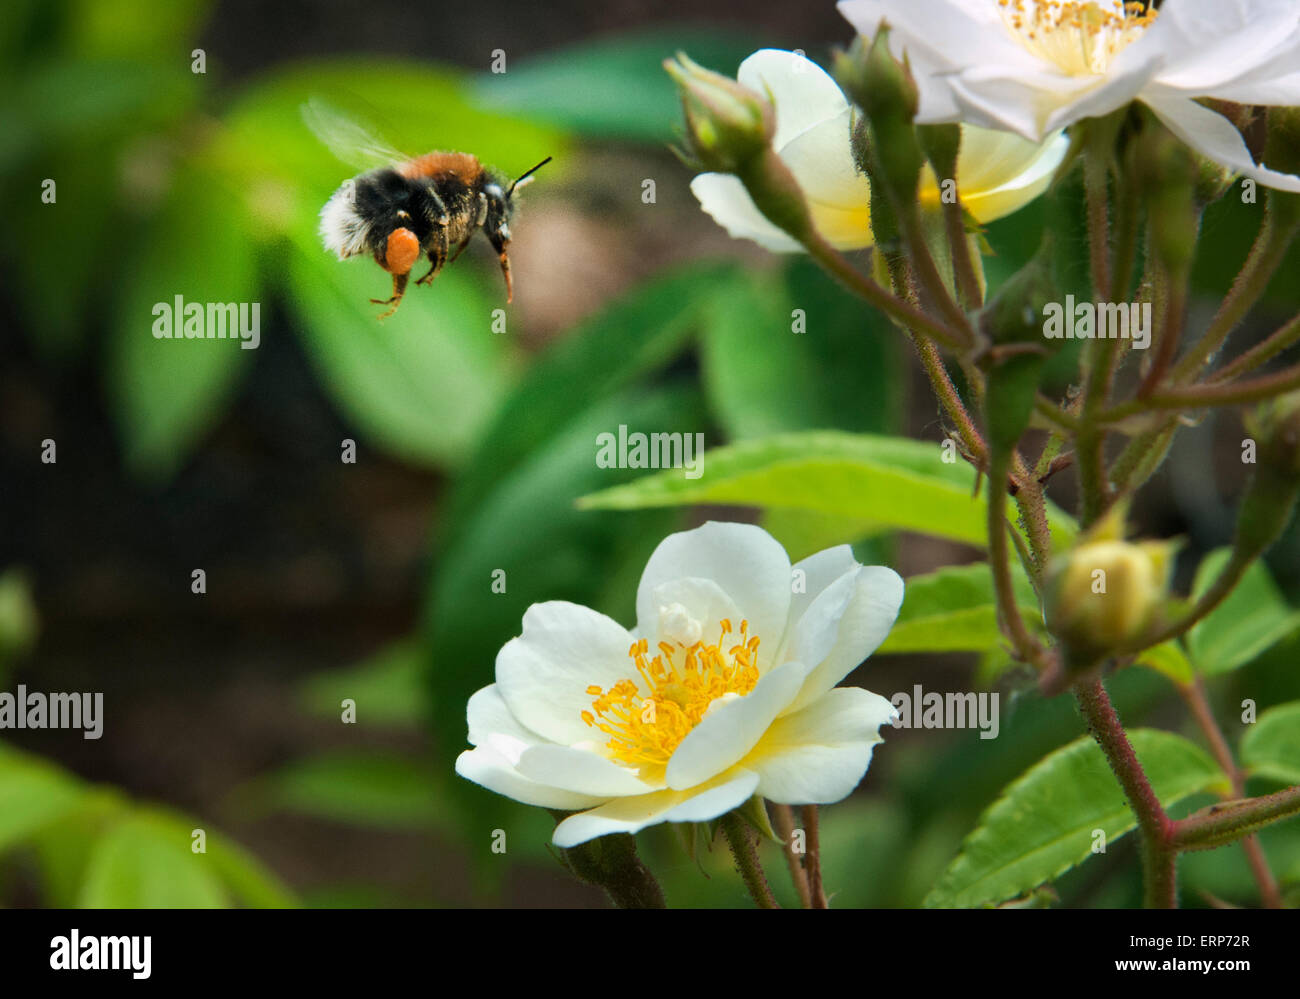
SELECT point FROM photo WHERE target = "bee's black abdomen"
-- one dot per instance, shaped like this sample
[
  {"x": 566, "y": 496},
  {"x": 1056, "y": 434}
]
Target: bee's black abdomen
[{"x": 390, "y": 201}]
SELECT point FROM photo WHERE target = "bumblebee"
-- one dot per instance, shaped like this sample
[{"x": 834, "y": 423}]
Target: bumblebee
[{"x": 430, "y": 205}]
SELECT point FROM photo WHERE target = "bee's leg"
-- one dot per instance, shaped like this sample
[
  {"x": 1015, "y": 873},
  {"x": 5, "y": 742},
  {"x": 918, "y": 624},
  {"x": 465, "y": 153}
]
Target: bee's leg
[
  {"x": 505, "y": 272},
  {"x": 460, "y": 249},
  {"x": 401, "y": 251},
  {"x": 399, "y": 289},
  {"x": 439, "y": 264},
  {"x": 437, "y": 256}
]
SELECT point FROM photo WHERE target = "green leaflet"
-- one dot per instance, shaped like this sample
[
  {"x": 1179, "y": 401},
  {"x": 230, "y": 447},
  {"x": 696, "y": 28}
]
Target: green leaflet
[
  {"x": 894, "y": 482},
  {"x": 145, "y": 862},
  {"x": 1253, "y": 618},
  {"x": 166, "y": 394},
  {"x": 1168, "y": 658},
  {"x": 953, "y": 610},
  {"x": 1043, "y": 824},
  {"x": 1271, "y": 747}
]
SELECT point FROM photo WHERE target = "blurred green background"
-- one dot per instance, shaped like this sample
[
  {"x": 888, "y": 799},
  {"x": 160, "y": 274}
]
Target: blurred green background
[{"x": 372, "y": 581}]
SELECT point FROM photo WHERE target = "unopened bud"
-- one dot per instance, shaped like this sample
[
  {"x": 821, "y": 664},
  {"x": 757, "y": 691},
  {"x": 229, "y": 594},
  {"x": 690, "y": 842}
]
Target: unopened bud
[
  {"x": 727, "y": 125},
  {"x": 1105, "y": 595},
  {"x": 884, "y": 88}
]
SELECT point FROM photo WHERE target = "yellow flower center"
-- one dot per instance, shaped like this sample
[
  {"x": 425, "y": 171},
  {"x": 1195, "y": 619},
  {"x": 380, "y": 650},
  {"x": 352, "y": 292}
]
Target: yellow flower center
[
  {"x": 647, "y": 719},
  {"x": 1079, "y": 38}
]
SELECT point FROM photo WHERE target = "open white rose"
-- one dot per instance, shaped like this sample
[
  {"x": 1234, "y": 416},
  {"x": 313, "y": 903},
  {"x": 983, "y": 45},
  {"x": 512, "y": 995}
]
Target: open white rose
[
  {"x": 1035, "y": 66},
  {"x": 997, "y": 173},
  {"x": 725, "y": 689}
]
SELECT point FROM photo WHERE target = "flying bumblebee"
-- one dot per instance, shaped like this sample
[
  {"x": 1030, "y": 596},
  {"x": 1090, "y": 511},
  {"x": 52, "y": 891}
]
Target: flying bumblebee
[{"x": 431, "y": 204}]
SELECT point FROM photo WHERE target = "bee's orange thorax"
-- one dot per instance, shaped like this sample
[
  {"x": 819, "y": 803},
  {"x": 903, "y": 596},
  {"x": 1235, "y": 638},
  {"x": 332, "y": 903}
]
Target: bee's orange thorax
[{"x": 463, "y": 166}]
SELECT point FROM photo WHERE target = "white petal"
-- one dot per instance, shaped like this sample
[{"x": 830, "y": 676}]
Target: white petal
[
  {"x": 580, "y": 770},
  {"x": 818, "y": 755},
  {"x": 630, "y": 815},
  {"x": 803, "y": 93},
  {"x": 543, "y": 675},
  {"x": 817, "y": 572},
  {"x": 1212, "y": 48},
  {"x": 941, "y": 37},
  {"x": 837, "y": 194},
  {"x": 878, "y": 594},
  {"x": 725, "y": 198},
  {"x": 815, "y": 633},
  {"x": 731, "y": 728},
  {"x": 488, "y": 715},
  {"x": 748, "y": 564},
  {"x": 990, "y": 203},
  {"x": 488, "y": 768},
  {"x": 1212, "y": 135}
]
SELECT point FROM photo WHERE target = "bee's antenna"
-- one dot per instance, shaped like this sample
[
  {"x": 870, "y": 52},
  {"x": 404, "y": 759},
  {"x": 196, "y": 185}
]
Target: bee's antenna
[{"x": 526, "y": 174}]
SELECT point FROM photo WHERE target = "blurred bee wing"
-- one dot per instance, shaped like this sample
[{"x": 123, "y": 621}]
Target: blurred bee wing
[{"x": 346, "y": 139}]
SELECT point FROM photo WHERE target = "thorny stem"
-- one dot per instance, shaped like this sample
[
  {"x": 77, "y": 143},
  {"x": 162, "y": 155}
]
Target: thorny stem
[
  {"x": 1026, "y": 647},
  {"x": 783, "y": 822},
  {"x": 1091, "y": 439},
  {"x": 1263, "y": 352},
  {"x": 1230, "y": 820},
  {"x": 1266, "y": 255},
  {"x": 909, "y": 315},
  {"x": 1198, "y": 704},
  {"x": 963, "y": 264},
  {"x": 1158, "y": 854},
  {"x": 928, "y": 273},
  {"x": 813, "y": 858},
  {"x": 747, "y": 862},
  {"x": 1212, "y": 394}
]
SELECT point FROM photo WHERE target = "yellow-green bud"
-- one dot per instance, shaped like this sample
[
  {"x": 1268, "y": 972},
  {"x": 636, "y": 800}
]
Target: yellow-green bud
[
  {"x": 727, "y": 125},
  {"x": 1105, "y": 594}
]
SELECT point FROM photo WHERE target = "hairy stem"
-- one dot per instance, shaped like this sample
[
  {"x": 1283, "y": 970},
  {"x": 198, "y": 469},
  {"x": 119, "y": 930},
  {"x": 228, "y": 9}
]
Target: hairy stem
[
  {"x": 1199, "y": 705},
  {"x": 1228, "y": 822},
  {"x": 813, "y": 858},
  {"x": 747, "y": 862},
  {"x": 1158, "y": 855},
  {"x": 783, "y": 822}
]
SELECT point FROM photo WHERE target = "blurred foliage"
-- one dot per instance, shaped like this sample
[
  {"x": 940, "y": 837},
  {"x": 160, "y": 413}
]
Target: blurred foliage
[{"x": 173, "y": 183}]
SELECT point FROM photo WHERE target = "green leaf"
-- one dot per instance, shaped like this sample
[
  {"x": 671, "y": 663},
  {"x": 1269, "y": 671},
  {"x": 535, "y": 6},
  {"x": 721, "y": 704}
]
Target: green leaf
[
  {"x": 1044, "y": 822},
  {"x": 167, "y": 393},
  {"x": 1253, "y": 618},
  {"x": 529, "y": 528},
  {"x": 895, "y": 482},
  {"x": 613, "y": 88},
  {"x": 1271, "y": 747},
  {"x": 773, "y": 357},
  {"x": 145, "y": 862},
  {"x": 421, "y": 384},
  {"x": 633, "y": 337},
  {"x": 1168, "y": 658},
  {"x": 954, "y": 610},
  {"x": 359, "y": 788},
  {"x": 33, "y": 795}
]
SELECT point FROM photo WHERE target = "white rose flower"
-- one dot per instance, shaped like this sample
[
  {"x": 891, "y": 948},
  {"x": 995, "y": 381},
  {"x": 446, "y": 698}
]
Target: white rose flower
[
  {"x": 997, "y": 173},
  {"x": 724, "y": 690},
  {"x": 1035, "y": 66}
]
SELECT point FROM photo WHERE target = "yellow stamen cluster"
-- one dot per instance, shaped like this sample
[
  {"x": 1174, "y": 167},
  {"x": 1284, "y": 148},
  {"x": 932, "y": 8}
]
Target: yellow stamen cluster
[
  {"x": 647, "y": 719},
  {"x": 1079, "y": 38}
]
